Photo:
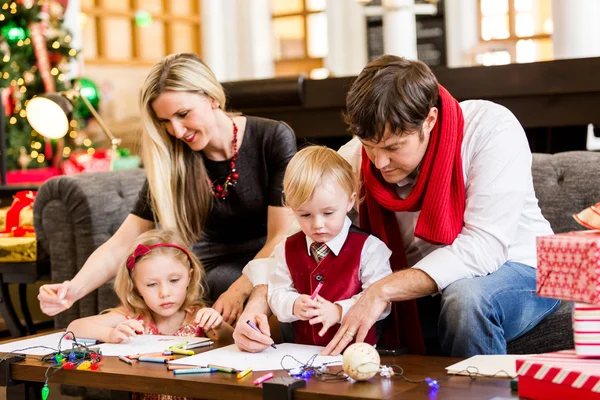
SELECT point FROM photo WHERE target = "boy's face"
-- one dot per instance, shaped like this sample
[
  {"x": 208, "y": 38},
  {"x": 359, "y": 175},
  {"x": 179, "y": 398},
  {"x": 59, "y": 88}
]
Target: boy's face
[
  {"x": 162, "y": 282},
  {"x": 322, "y": 217},
  {"x": 396, "y": 155}
]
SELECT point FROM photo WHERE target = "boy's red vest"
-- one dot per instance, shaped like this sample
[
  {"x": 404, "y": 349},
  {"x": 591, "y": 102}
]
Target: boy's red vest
[{"x": 339, "y": 275}]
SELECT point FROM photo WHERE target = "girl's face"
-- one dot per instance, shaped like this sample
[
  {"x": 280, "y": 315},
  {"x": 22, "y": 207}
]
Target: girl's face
[
  {"x": 322, "y": 217},
  {"x": 162, "y": 282},
  {"x": 187, "y": 116}
]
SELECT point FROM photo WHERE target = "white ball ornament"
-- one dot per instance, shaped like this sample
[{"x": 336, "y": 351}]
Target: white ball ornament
[{"x": 361, "y": 361}]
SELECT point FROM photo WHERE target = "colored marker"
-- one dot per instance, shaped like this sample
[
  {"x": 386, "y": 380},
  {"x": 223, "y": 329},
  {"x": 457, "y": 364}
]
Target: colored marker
[
  {"x": 179, "y": 345},
  {"x": 160, "y": 360},
  {"x": 167, "y": 353},
  {"x": 317, "y": 290},
  {"x": 199, "y": 344},
  {"x": 258, "y": 330},
  {"x": 263, "y": 378},
  {"x": 125, "y": 359},
  {"x": 223, "y": 369},
  {"x": 244, "y": 373},
  {"x": 172, "y": 367},
  {"x": 182, "y": 351},
  {"x": 194, "y": 371}
]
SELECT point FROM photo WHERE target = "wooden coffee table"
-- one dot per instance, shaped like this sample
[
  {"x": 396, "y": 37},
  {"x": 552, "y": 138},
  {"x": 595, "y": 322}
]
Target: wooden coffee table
[{"x": 122, "y": 378}]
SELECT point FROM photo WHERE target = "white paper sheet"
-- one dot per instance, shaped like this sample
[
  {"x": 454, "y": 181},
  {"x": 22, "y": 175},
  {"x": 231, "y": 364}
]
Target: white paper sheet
[
  {"x": 51, "y": 341},
  {"x": 144, "y": 344},
  {"x": 498, "y": 366},
  {"x": 138, "y": 345},
  {"x": 269, "y": 359}
]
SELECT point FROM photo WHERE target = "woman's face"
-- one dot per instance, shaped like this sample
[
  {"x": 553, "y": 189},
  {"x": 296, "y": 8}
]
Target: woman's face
[{"x": 187, "y": 116}]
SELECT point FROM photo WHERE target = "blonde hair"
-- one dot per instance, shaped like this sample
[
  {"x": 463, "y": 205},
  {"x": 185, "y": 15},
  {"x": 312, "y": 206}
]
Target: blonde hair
[
  {"x": 131, "y": 301},
  {"x": 181, "y": 195},
  {"x": 311, "y": 167}
]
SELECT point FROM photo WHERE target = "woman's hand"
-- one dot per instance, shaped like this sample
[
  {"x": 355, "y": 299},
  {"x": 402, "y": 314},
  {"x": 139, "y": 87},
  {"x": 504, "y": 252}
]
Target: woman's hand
[
  {"x": 208, "y": 319},
  {"x": 125, "y": 331},
  {"x": 231, "y": 303},
  {"x": 329, "y": 315},
  {"x": 56, "y": 298}
]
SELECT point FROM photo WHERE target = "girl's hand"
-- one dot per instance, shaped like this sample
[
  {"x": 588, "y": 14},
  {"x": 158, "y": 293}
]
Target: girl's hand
[
  {"x": 126, "y": 330},
  {"x": 329, "y": 314},
  {"x": 208, "y": 319},
  {"x": 305, "y": 308},
  {"x": 230, "y": 304}
]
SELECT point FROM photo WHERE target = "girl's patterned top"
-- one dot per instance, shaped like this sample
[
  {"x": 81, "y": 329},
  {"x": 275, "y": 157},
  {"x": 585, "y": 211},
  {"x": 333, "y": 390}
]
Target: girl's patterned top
[{"x": 189, "y": 330}]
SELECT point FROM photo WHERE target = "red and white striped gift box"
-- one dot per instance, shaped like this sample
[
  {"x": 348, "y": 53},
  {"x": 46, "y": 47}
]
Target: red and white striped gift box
[
  {"x": 558, "y": 376},
  {"x": 569, "y": 266},
  {"x": 586, "y": 329}
]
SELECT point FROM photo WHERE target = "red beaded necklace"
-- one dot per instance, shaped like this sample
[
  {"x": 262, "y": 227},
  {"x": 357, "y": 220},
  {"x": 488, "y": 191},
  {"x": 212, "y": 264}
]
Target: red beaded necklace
[{"x": 221, "y": 192}]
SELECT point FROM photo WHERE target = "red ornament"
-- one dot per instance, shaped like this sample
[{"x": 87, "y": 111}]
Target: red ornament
[{"x": 221, "y": 192}]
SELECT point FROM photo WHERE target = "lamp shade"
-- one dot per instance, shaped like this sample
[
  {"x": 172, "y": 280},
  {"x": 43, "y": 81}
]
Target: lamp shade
[{"x": 49, "y": 115}]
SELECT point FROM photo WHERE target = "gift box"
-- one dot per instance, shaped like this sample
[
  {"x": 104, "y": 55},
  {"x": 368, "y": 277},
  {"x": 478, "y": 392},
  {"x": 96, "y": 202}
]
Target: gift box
[
  {"x": 82, "y": 161},
  {"x": 17, "y": 241},
  {"x": 25, "y": 218},
  {"x": 18, "y": 249},
  {"x": 558, "y": 376},
  {"x": 569, "y": 266}
]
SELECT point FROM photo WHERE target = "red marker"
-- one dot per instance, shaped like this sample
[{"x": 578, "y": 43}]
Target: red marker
[
  {"x": 316, "y": 292},
  {"x": 263, "y": 378}
]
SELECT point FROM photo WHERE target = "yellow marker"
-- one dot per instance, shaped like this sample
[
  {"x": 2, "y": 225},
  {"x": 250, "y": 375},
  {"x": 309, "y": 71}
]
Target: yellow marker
[
  {"x": 84, "y": 365},
  {"x": 182, "y": 351},
  {"x": 179, "y": 345},
  {"x": 244, "y": 373}
]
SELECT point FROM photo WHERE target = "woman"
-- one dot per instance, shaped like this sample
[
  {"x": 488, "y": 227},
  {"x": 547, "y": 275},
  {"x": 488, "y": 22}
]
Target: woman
[{"x": 214, "y": 177}]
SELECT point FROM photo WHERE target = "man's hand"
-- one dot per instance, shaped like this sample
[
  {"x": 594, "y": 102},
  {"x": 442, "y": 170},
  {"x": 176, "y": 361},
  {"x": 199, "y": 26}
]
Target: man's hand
[
  {"x": 305, "y": 308},
  {"x": 247, "y": 338},
  {"x": 330, "y": 314},
  {"x": 361, "y": 317}
]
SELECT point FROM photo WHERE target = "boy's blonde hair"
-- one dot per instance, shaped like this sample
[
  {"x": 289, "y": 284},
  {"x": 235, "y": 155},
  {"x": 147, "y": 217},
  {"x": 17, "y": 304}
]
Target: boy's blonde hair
[
  {"x": 311, "y": 167},
  {"x": 131, "y": 301}
]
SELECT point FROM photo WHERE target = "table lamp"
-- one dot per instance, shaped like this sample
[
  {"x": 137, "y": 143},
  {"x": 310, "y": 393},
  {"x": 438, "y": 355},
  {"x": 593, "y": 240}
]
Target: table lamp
[{"x": 49, "y": 114}]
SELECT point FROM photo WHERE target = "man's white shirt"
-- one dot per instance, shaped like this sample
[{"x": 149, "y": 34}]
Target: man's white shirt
[{"x": 502, "y": 218}]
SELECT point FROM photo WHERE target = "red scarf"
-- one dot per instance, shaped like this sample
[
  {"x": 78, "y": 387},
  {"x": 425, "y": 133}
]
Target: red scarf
[{"x": 439, "y": 194}]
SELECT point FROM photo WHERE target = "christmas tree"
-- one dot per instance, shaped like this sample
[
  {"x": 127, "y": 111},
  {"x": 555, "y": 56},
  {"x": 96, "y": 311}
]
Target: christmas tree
[{"x": 35, "y": 56}]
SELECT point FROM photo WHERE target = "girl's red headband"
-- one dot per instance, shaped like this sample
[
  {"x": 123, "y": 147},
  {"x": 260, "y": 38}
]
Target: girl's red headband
[{"x": 142, "y": 250}]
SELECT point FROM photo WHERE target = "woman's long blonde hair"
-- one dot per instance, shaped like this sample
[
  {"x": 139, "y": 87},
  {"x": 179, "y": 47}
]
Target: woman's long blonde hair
[
  {"x": 312, "y": 166},
  {"x": 131, "y": 301},
  {"x": 181, "y": 195}
]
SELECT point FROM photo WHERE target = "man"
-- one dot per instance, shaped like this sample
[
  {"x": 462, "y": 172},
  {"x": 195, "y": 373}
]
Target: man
[{"x": 448, "y": 188}]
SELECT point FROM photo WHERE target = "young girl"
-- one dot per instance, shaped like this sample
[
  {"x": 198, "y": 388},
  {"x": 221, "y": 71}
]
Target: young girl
[
  {"x": 329, "y": 256},
  {"x": 160, "y": 293}
]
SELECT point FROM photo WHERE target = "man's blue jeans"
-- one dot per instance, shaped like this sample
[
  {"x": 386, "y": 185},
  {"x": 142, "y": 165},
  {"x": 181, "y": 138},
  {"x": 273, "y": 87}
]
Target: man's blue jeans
[{"x": 480, "y": 315}]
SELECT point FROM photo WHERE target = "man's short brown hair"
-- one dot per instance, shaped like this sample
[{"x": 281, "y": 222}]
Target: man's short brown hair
[{"x": 390, "y": 90}]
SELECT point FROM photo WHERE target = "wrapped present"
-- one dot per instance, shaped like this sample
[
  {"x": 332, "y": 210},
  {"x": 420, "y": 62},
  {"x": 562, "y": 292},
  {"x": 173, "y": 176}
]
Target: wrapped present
[
  {"x": 17, "y": 241},
  {"x": 561, "y": 375},
  {"x": 25, "y": 218},
  {"x": 82, "y": 161},
  {"x": 569, "y": 266},
  {"x": 18, "y": 249},
  {"x": 590, "y": 217},
  {"x": 586, "y": 329}
]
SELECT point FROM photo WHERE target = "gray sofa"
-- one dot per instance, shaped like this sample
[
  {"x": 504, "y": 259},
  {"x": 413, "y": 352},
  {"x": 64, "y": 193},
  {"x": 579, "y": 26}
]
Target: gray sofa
[{"x": 74, "y": 215}]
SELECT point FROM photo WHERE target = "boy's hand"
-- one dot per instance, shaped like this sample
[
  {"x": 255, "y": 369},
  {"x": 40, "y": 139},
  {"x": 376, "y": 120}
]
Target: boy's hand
[
  {"x": 329, "y": 314},
  {"x": 305, "y": 308},
  {"x": 208, "y": 318},
  {"x": 126, "y": 330}
]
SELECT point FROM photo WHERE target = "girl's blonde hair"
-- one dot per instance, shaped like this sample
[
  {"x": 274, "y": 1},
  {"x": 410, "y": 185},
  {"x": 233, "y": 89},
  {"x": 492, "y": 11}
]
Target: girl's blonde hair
[
  {"x": 311, "y": 167},
  {"x": 181, "y": 195},
  {"x": 131, "y": 301}
]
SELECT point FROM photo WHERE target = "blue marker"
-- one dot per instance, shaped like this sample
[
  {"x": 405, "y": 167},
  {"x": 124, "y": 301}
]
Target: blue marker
[
  {"x": 194, "y": 371},
  {"x": 153, "y": 359}
]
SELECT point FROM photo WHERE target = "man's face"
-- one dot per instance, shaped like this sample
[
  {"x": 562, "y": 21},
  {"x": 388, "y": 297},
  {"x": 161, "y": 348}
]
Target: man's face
[{"x": 397, "y": 154}]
